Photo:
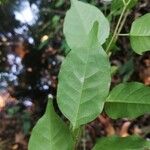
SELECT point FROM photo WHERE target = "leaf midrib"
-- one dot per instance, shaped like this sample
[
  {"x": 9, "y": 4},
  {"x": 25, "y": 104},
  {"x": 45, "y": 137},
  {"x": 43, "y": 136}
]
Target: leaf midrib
[
  {"x": 127, "y": 102},
  {"x": 83, "y": 83},
  {"x": 139, "y": 35}
]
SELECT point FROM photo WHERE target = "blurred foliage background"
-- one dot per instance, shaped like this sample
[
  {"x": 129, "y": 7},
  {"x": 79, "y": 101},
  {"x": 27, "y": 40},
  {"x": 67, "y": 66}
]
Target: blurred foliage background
[{"x": 32, "y": 47}]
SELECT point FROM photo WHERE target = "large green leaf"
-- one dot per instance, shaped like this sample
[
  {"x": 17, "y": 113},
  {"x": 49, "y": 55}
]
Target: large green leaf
[
  {"x": 79, "y": 21},
  {"x": 128, "y": 100},
  {"x": 125, "y": 143},
  {"x": 50, "y": 133},
  {"x": 84, "y": 81},
  {"x": 140, "y": 34}
]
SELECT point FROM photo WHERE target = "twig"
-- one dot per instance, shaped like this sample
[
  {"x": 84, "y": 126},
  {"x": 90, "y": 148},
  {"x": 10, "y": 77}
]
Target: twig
[
  {"x": 118, "y": 27},
  {"x": 123, "y": 34}
]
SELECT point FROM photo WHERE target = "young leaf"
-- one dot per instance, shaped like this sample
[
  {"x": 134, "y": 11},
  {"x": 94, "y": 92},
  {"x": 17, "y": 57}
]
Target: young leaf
[
  {"x": 125, "y": 143},
  {"x": 79, "y": 21},
  {"x": 84, "y": 81},
  {"x": 128, "y": 100},
  {"x": 140, "y": 34},
  {"x": 50, "y": 133}
]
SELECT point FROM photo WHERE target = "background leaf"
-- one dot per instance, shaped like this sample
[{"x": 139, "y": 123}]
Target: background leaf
[
  {"x": 50, "y": 133},
  {"x": 117, "y": 5},
  {"x": 140, "y": 34},
  {"x": 128, "y": 100},
  {"x": 84, "y": 81},
  {"x": 79, "y": 21},
  {"x": 118, "y": 143}
]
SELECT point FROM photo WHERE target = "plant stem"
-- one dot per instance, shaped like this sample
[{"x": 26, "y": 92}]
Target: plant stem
[
  {"x": 124, "y": 2},
  {"x": 122, "y": 24},
  {"x": 123, "y": 21},
  {"x": 115, "y": 31},
  {"x": 77, "y": 134},
  {"x": 108, "y": 49},
  {"x": 123, "y": 34}
]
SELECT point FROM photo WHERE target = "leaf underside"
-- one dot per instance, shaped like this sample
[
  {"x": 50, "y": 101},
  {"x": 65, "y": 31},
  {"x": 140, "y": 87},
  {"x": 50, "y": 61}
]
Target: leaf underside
[
  {"x": 84, "y": 81},
  {"x": 78, "y": 22},
  {"x": 140, "y": 34}
]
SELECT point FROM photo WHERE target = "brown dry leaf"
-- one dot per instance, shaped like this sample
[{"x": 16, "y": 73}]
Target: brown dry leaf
[
  {"x": 144, "y": 71},
  {"x": 2, "y": 102},
  {"x": 15, "y": 147},
  {"x": 137, "y": 130},
  {"x": 147, "y": 81},
  {"x": 124, "y": 129},
  {"x": 20, "y": 138},
  {"x": 107, "y": 124}
]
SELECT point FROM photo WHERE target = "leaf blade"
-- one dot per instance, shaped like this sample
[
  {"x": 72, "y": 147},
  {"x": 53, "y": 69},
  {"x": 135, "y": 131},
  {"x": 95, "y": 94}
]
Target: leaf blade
[
  {"x": 84, "y": 81},
  {"x": 79, "y": 21},
  {"x": 140, "y": 34},
  {"x": 125, "y": 143},
  {"x": 50, "y": 133},
  {"x": 128, "y": 100}
]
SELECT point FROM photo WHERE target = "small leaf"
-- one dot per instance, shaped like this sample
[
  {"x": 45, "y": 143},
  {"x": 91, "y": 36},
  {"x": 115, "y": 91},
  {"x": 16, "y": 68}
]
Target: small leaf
[
  {"x": 140, "y": 34},
  {"x": 84, "y": 81},
  {"x": 125, "y": 143},
  {"x": 50, "y": 133},
  {"x": 128, "y": 100},
  {"x": 79, "y": 21}
]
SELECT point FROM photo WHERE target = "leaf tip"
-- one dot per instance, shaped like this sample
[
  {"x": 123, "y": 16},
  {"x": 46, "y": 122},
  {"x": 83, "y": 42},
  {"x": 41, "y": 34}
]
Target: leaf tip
[
  {"x": 94, "y": 32},
  {"x": 49, "y": 103}
]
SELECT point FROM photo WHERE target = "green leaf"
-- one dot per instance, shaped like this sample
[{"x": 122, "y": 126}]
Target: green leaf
[
  {"x": 50, "y": 133},
  {"x": 125, "y": 143},
  {"x": 59, "y": 3},
  {"x": 140, "y": 34},
  {"x": 126, "y": 70},
  {"x": 84, "y": 81},
  {"x": 128, "y": 100},
  {"x": 117, "y": 5},
  {"x": 79, "y": 21}
]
